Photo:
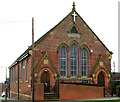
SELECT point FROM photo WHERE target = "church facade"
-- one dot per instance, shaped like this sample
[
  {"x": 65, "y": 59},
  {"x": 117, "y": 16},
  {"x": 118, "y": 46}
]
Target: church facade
[{"x": 68, "y": 58}]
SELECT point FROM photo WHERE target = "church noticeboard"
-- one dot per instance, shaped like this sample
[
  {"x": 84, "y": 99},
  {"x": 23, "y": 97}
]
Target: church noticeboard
[{"x": 85, "y": 81}]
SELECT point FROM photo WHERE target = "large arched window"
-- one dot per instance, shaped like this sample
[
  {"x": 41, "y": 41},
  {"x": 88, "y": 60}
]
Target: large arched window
[
  {"x": 63, "y": 62},
  {"x": 74, "y": 61},
  {"x": 84, "y": 62}
]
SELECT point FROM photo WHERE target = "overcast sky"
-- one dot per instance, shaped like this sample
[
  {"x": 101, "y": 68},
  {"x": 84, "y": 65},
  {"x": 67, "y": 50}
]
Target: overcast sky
[{"x": 16, "y": 23}]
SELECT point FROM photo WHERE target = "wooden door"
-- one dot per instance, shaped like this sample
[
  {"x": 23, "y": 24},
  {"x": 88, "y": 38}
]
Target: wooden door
[
  {"x": 101, "y": 79},
  {"x": 45, "y": 78}
]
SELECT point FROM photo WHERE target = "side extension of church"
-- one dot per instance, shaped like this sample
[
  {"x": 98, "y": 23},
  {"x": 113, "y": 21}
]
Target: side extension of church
[{"x": 69, "y": 59}]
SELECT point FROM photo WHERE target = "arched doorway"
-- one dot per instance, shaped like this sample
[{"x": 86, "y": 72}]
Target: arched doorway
[
  {"x": 45, "y": 78},
  {"x": 101, "y": 79}
]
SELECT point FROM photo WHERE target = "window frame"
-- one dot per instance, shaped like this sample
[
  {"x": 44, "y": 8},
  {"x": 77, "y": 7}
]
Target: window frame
[
  {"x": 22, "y": 71},
  {"x": 14, "y": 74},
  {"x": 84, "y": 63},
  {"x": 27, "y": 69},
  {"x": 17, "y": 72},
  {"x": 64, "y": 59},
  {"x": 74, "y": 59},
  {"x": 74, "y": 30}
]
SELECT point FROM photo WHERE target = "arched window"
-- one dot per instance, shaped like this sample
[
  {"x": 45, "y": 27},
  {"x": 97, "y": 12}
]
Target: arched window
[
  {"x": 84, "y": 62},
  {"x": 63, "y": 62},
  {"x": 27, "y": 69},
  {"x": 74, "y": 30},
  {"x": 74, "y": 61}
]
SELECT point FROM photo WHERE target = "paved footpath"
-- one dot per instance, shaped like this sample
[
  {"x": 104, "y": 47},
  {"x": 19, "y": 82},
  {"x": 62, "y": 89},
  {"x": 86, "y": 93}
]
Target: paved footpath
[
  {"x": 107, "y": 98},
  {"x": 2, "y": 99}
]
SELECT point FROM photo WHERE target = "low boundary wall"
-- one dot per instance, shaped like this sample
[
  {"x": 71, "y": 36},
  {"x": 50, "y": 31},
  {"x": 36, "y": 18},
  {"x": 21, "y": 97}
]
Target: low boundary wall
[{"x": 78, "y": 92}]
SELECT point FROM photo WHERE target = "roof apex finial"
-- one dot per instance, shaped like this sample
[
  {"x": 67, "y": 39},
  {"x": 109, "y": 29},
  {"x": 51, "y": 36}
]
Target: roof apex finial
[{"x": 73, "y": 9}]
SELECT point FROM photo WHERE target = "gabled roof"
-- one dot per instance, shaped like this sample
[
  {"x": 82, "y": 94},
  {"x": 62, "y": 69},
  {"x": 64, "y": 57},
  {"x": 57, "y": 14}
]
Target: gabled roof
[
  {"x": 41, "y": 60},
  {"x": 97, "y": 63},
  {"x": 41, "y": 38},
  {"x": 73, "y": 10}
]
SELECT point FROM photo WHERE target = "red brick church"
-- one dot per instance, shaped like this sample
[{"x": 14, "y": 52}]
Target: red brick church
[{"x": 70, "y": 63}]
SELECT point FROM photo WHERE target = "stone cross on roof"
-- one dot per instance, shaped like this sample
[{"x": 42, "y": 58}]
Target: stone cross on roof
[{"x": 74, "y": 15}]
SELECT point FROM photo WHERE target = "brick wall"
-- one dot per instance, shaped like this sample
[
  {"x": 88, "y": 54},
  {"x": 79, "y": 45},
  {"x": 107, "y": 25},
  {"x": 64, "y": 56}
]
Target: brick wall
[
  {"x": 79, "y": 92},
  {"x": 24, "y": 86},
  {"x": 39, "y": 92}
]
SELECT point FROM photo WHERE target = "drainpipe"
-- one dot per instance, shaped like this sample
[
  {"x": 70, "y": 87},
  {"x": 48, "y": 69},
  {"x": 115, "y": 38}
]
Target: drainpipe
[{"x": 32, "y": 59}]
